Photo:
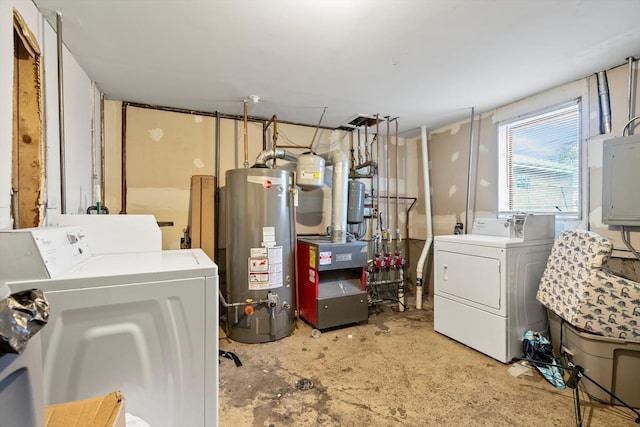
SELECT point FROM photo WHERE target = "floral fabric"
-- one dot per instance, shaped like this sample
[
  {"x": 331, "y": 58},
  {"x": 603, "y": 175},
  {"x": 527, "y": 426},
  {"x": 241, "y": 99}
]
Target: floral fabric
[{"x": 577, "y": 288}]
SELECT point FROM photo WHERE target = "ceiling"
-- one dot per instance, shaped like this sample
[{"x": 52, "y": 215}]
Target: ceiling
[{"x": 427, "y": 62}]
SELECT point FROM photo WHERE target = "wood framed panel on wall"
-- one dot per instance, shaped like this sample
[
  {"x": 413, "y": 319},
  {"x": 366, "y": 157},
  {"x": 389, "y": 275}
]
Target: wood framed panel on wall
[{"x": 28, "y": 170}]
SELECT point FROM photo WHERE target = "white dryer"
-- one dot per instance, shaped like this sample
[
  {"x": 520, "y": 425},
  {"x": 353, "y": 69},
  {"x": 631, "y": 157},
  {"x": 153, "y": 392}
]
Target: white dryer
[
  {"x": 143, "y": 323},
  {"x": 485, "y": 289}
]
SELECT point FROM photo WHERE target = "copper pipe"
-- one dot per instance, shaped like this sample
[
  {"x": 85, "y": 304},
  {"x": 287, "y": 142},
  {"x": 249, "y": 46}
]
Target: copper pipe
[
  {"x": 351, "y": 149},
  {"x": 123, "y": 174},
  {"x": 359, "y": 148},
  {"x": 246, "y": 137},
  {"x": 367, "y": 154},
  {"x": 300, "y": 147}
]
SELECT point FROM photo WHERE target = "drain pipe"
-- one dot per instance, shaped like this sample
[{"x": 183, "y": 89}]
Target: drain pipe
[
  {"x": 427, "y": 199},
  {"x": 340, "y": 180},
  {"x": 63, "y": 184}
]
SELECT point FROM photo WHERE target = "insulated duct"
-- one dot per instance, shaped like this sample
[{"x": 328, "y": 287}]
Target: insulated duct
[{"x": 427, "y": 201}]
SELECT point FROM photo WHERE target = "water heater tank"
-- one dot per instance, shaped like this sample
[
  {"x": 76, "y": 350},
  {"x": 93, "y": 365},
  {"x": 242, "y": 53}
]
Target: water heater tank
[
  {"x": 260, "y": 279},
  {"x": 310, "y": 172}
]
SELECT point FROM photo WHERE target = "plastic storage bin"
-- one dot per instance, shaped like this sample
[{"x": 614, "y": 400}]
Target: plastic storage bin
[{"x": 611, "y": 362}]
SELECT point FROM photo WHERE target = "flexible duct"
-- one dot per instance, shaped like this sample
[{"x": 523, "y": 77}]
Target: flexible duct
[
  {"x": 427, "y": 201},
  {"x": 605, "y": 103},
  {"x": 340, "y": 180}
]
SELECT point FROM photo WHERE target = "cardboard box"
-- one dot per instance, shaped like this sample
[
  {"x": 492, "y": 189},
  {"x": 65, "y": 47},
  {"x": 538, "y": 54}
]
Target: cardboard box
[
  {"x": 106, "y": 411},
  {"x": 202, "y": 209}
]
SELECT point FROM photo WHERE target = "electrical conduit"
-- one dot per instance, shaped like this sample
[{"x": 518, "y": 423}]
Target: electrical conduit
[{"x": 427, "y": 200}]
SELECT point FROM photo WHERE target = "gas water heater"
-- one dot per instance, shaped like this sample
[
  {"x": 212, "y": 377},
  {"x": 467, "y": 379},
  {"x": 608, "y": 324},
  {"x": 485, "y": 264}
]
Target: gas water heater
[{"x": 260, "y": 244}]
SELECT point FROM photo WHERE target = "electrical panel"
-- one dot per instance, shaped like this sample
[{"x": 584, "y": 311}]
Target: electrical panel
[{"x": 620, "y": 178}]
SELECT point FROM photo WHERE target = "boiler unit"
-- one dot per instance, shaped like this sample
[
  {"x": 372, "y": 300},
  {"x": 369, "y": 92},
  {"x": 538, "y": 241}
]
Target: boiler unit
[
  {"x": 331, "y": 282},
  {"x": 259, "y": 291}
]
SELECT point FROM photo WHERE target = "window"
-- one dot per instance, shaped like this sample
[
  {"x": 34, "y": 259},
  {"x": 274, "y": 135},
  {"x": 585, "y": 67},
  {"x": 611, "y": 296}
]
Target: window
[{"x": 540, "y": 162}]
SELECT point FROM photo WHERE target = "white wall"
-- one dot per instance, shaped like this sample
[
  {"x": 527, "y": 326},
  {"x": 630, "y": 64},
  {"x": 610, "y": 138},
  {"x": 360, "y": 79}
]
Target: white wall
[
  {"x": 454, "y": 139},
  {"x": 77, "y": 113}
]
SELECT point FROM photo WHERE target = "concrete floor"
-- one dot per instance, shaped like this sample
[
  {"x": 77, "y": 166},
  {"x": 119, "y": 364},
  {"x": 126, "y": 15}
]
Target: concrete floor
[{"x": 393, "y": 371}]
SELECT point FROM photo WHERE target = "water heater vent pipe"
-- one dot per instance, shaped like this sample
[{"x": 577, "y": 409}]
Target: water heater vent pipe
[
  {"x": 339, "y": 207},
  {"x": 272, "y": 154}
]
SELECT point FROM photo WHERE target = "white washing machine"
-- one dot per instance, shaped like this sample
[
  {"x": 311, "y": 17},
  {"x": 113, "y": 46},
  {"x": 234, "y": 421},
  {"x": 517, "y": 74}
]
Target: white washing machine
[
  {"x": 143, "y": 323},
  {"x": 485, "y": 288}
]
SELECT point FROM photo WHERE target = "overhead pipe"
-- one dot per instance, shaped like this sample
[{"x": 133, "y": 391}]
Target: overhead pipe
[
  {"x": 63, "y": 183},
  {"x": 466, "y": 212},
  {"x": 605, "y": 102},
  {"x": 427, "y": 198}
]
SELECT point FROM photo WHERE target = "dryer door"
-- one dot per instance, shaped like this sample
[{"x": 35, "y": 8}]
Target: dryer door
[{"x": 470, "y": 278}]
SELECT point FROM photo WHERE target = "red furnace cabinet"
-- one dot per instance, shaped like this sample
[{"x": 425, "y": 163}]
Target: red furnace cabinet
[{"x": 331, "y": 282}]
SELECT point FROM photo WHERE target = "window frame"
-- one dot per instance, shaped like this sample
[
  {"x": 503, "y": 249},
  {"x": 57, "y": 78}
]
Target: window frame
[{"x": 503, "y": 164}]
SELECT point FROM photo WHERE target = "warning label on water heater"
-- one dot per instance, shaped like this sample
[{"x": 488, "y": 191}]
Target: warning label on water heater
[{"x": 265, "y": 268}]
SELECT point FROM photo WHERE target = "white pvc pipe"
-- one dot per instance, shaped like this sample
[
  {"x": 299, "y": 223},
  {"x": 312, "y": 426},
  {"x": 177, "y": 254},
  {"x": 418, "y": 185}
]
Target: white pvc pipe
[
  {"x": 340, "y": 182},
  {"x": 427, "y": 200}
]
